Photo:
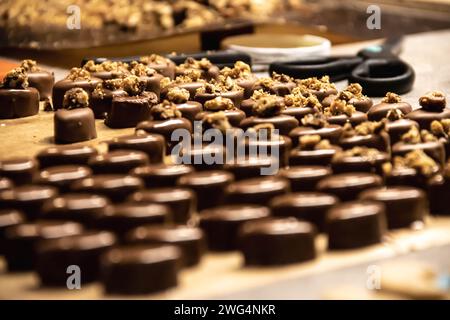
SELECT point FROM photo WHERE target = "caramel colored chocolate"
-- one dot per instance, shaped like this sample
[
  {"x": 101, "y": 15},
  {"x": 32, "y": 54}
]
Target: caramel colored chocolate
[
  {"x": 6, "y": 183},
  {"x": 347, "y": 186},
  {"x": 126, "y": 216},
  {"x": 53, "y": 257},
  {"x": 18, "y": 103},
  {"x": 277, "y": 242},
  {"x": 425, "y": 118},
  {"x": 256, "y": 190},
  {"x": 355, "y": 224},
  {"x": 117, "y": 161},
  {"x": 161, "y": 175},
  {"x": 329, "y": 132},
  {"x": 27, "y": 198},
  {"x": 304, "y": 178},
  {"x": 208, "y": 186},
  {"x": 63, "y": 155},
  {"x": 189, "y": 240},
  {"x": 84, "y": 208},
  {"x": 62, "y": 176},
  {"x": 8, "y": 218},
  {"x": 74, "y": 125},
  {"x": 404, "y": 205},
  {"x": 182, "y": 201},
  {"x": 125, "y": 268},
  {"x": 61, "y": 87},
  {"x": 21, "y": 241},
  {"x": 128, "y": 111},
  {"x": 19, "y": 170},
  {"x": 221, "y": 224},
  {"x": 282, "y": 122},
  {"x": 309, "y": 206},
  {"x": 116, "y": 187}
]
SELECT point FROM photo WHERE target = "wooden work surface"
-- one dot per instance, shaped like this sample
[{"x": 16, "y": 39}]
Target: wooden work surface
[{"x": 223, "y": 275}]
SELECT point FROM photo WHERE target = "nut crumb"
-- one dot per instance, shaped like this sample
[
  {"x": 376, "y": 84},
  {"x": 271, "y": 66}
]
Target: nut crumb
[
  {"x": 29, "y": 65},
  {"x": 165, "y": 110},
  {"x": 339, "y": 107},
  {"x": 217, "y": 120},
  {"x": 394, "y": 114},
  {"x": 268, "y": 106},
  {"x": 433, "y": 99},
  {"x": 419, "y": 161},
  {"x": 316, "y": 121},
  {"x": 16, "y": 78},
  {"x": 78, "y": 74},
  {"x": 219, "y": 104},
  {"x": 178, "y": 95},
  {"x": 391, "y": 98},
  {"x": 75, "y": 98}
]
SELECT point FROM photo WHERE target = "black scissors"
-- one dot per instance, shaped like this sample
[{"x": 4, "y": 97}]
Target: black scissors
[{"x": 377, "y": 68}]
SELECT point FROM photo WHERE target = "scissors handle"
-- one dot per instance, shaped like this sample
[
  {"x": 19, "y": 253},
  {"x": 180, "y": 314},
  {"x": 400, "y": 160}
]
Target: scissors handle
[
  {"x": 337, "y": 67},
  {"x": 378, "y": 76}
]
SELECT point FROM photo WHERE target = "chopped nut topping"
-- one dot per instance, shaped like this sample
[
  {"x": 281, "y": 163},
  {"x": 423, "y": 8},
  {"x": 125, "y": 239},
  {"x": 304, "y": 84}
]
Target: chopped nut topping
[
  {"x": 133, "y": 85},
  {"x": 154, "y": 59},
  {"x": 109, "y": 66},
  {"x": 441, "y": 128},
  {"x": 191, "y": 63},
  {"x": 394, "y": 114},
  {"x": 414, "y": 136},
  {"x": 141, "y": 70},
  {"x": 178, "y": 95},
  {"x": 339, "y": 107},
  {"x": 368, "y": 154},
  {"x": 267, "y": 129},
  {"x": 314, "y": 83},
  {"x": 419, "y": 161},
  {"x": 355, "y": 89},
  {"x": 75, "y": 98},
  {"x": 165, "y": 110},
  {"x": 281, "y": 78},
  {"x": 15, "y": 79},
  {"x": 313, "y": 142},
  {"x": 77, "y": 74},
  {"x": 219, "y": 104},
  {"x": 391, "y": 98},
  {"x": 240, "y": 70},
  {"x": 316, "y": 121},
  {"x": 268, "y": 106},
  {"x": 370, "y": 127},
  {"x": 217, "y": 120},
  {"x": 222, "y": 84},
  {"x": 29, "y": 65},
  {"x": 298, "y": 100},
  {"x": 257, "y": 94},
  {"x": 434, "y": 98}
]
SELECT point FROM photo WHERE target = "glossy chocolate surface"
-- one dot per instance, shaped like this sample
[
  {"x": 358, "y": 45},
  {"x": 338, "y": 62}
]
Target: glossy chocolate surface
[
  {"x": 18, "y": 103},
  {"x": 128, "y": 111},
  {"x": 304, "y": 178},
  {"x": 19, "y": 170},
  {"x": 330, "y": 132},
  {"x": 74, "y": 125},
  {"x": 380, "y": 110},
  {"x": 161, "y": 175},
  {"x": 5, "y": 183},
  {"x": 117, "y": 161},
  {"x": 356, "y": 118},
  {"x": 424, "y": 118},
  {"x": 282, "y": 122},
  {"x": 62, "y": 155},
  {"x": 60, "y": 88},
  {"x": 433, "y": 149},
  {"x": 321, "y": 157},
  {"x": 152, "y": 144},
  {"x": 62, "y": 176}
]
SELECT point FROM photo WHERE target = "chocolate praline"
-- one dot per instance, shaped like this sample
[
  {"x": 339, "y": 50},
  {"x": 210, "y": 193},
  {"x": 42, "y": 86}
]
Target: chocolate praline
[
  {"x": 275, "y": 87},
  {"x": 277, "y": 242},
  {"x": 84, "y": 208},
  {"x": 234, "y": 116},
  {"x": 256, "y": 190},
  {"x": 234, "y": 95},
  {"x": 101, "y": 103},
  {"x": 19, "y": 170},
  {"x": 202, "y": 157},
  {"x": 152, "y": 144},
  {"x": 330, "y": 132},
  {"x": 62, "y": 155},
  {"x": 404, "y": 205},
  {"x": 276, "y": 147},
  {"x": 208, "y": 186},
  {"x": 347, "y": 186},
  {"x": 8, "y": 218},
  {"x": 309, "y": 206},
  {"x": 74, "y": 125},
  {"x": 190, "y": 109},
  {"x": 43, "y": 81},
  {"x": 191, "y": 87},
  {"x": 434, "y": 149},
  {"x": 123, "y": 269},
  {"x": 361, "y": 104},
  {"x": 298, "y": 112},
  {"x": 304, "y": 178},
  {"x": 18, "y": 103},
  {"x": 27, "y": 198},
  {"x": 248, "y": 104},
  {"x": 61, "y": 87},
  {"x": 83, "y": 250},
  {"x": 161, "y": 175},
  {"x": 321, "y": 157},
  {"x": 162, "y": 65},
  {"x": 379, "y": 111},
  {"x": 221, "y": 224},
  {"x": 117, "y": 161},
  {"x": 6, "y": 183},
  {"x": 355, "y": 224},
  {"x": 359, "y": 163},
  {"x": 282, "y": 122},
  {"x": 425, "y": 118},
  {"x": 190, "y": 240},
  {"x": 397, "y": 128},
  {"x": 251, "y": 167},
  {"x": 403, "y": 176},
  {"x": 438, "y": 189},
  {"x": 62, "y": 176},
  {"x": 356, "y": 118},
  {"x": 182, "y": 201},
  {"x": 378, "y": 141},
  {"x": 21, "y": 241},
  {"x": 117, "y": 187}
]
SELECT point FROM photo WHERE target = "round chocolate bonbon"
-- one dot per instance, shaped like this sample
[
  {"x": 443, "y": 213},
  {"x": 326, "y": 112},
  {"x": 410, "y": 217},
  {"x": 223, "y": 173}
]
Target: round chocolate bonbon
[
  {"x": 8, "y": 218},
  {"x": 62, "y": 176},
  {"x": 161, "y": 175},
  {"x": 19, "y": 170},
  {"x": 304, "y": 178},
  {"x": 152, "y": 144},
  {"x": 117, "y": 161},
  {"x": 61, "y": 155}
]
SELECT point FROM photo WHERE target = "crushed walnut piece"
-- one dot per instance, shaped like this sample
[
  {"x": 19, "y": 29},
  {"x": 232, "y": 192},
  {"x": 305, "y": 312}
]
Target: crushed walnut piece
[
  {"x": 141, "y": 70},
  {"x": 298, "y": 100},
  {"x": 313, "y": 142},
  {"x": 178, "y": 95},
  {"x": 165, "y": 110},
  {"x": 29, "y": 65},
  {"x": 368, "y": 154},
  {"x": 339, "y": 107},
  {"x": 268, "y": 106},
  {"x": 394, "y": 114},
  {"x": 191, "y": 63},
  {"x": 16, "y": 78},
  {"x": 222, "y": 84},
  {"x": 441, "y": 128},
  {"x": 219, "y": 104},
  {"x": 370, "y": 127},
  {"x": 281, "y": 78},
  {"x": 240, "y": 70},
  {"x": 433, "y": 98},
  {"x": 264, "y": 129},
  {"x": 154, "y": 59},
  {"x": 133, "y": 85},
  {"x": 316, "y": 120},
  {"x": 108, "y": 66},
  {"x": 414, "y": 136},
  {"x": 353, "y": 90},
  {"x": 217, "y": 120},
  {"x": 257, "y": 94},
  {"x": 77, "y": 74},
  {"x": 165, "y": 82},
  {"x": 317, "y": 84},
  {"x": 75, "y": 98},
  {"x": 391, "y": 98},
  {"x": 419, "y": 161}
]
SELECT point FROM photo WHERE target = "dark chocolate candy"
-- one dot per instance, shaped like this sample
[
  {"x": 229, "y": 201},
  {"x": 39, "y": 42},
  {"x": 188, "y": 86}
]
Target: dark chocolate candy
[
  {"x": 250, "y": 167},
  {"x": 116, "y": 187},
  {"x": 256, "y": 190},
  {"x": 117, "y": 161},
  {"x": 276, "y": 148},
  {"x": 161, "y": 175},
  {"x": 361, "y": 104},
  {"x": 309, "y": 206},
  {"x": 329, "y": 132},
  {"x": 403, "y": 205},
  {"x": 21, "y": 241},
  {"x": 234, "y": 95},
  {"x": 162, "y": 65},
  {"x": 347, "y": 186},
  {"x": 276, "y": 88},
  {"x": 282, "y": 122},
  {"x": 438, "y": 188},
  {"x": 355, "y": 224},
  {"x": 126, "y": 216},
  {"x": 182, "y": 201},
  {"x": 189, "y": 86},
  {"x": 208, "y": 186},
  {"x": 277, "y": 242},
  {"x": 18, "y": 103},
  {"x": 5, "y": 183},
  {"x": 356, "y": 118},
  {"x": 379, "y": 111},
  {"x": 396, "y": 129},
  {"x": 128, "y": 111},
  {"x": 8, "y": 218},
  {"x": 43, "y": 81},
  {"x": 321, "y": 157},
  {"x": 191, "y": 241},
  {"x": 234, "y": 116},
  {"x": 62, "y": 155},
  {"x": 203, "y": 157},
  {"x": 434, "y": 149},
  {"x": 74, "y": 125},
  {"x": 101, "y": 103},
  {"x": 60, "y": 88},
  {"x": 304, "y": 178},
  {"x": 84, "y": 208},
  {"x": 248, "y": 84},
  {"x": 378, "y": 141},
  {"x": 152, "y": 144},
  {"x": 359, "y": 162},
  {"x": 19, "y": 170},
  {"x": 189, "y": 109},
  {"x": 62, "y": 176},
  {"x": 425, "y": 118},
  {"x": 221, "y": 224},
  {"x": 27, "y": 198},
  {"x": 403, "y": 176},
  {"x": 141, "y": 269},
  {"x": 53, "y": 257},
  {"x": 298, "y": 112}
]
